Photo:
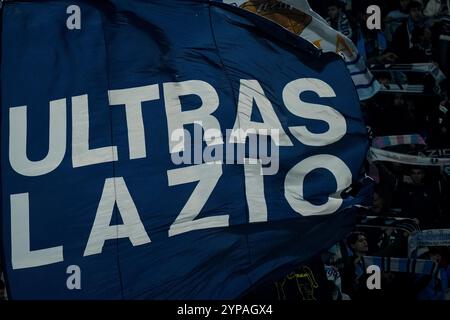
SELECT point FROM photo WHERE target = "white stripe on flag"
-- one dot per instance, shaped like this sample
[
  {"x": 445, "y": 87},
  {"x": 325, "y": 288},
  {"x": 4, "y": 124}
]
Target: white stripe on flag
[
  {"x": 420, "y": 266},
  {"x": 319, "y": 33},
  {"x": 362, "y": 79},
  {"x": 395, "y": 265},
  {"x": 393, "y": 140},
  {"x": 357, "y": 67},
  {"x": 367, "y": 93},
  {"x": 407, "y": 139}
]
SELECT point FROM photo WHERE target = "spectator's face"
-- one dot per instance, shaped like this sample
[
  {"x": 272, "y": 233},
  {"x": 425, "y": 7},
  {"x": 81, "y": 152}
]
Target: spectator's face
[
  {"x": 384, "y": 80},
  {"x": 398, "y": 100},
  {"x": 361, "y": 245},
  {"x": 436, "y": 258},
  {"x": 415, "y": 14},
  {"x": 377, "y": 203},
  {"x": 427, "y": 35},
  {"x": 417, "y": 176},
  {"x": 333, "y": 12},
  {"x": 404, "y": 4}
]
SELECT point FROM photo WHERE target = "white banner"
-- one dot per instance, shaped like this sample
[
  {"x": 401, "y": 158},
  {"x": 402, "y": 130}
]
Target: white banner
[
  {"x": 389, "y": 156},
  {"x": 428, "y": 238},
  {"x": 316, "y": 30}
]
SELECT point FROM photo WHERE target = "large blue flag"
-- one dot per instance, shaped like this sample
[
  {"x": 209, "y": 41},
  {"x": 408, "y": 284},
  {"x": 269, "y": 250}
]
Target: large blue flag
[{"x": 128, "y": 160}]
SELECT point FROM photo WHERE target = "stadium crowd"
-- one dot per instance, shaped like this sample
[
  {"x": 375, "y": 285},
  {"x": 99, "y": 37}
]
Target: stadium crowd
[{"x": 406, "y": 229}]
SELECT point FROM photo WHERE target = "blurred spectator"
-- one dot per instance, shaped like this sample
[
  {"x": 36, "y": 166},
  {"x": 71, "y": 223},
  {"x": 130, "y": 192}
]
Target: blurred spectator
[
  {"x": 337, "y": 19},
  {"x": 371, "y": 44},
  {"x": 397, "y": 116},
  {"x": 442, "y": 34},
  {"x": 439, "y": 126},
  {"x": 354, "y": 277},
  {"x": 421, "y": 50},
  {"x": 378, "y": 204},
  {"x": 380, "y": 207},
  {"x": 400, "y": 13},
  {"x": 435, "y": 7},
  {"x": 403, "y": 36},
  {"x": 334, "y": 283},
  {"x": 436, "y": 286},
  {"x": 392, "y": 242},
  {"x": 419, "y": 200},
  {"x": 395, "y": 18}
]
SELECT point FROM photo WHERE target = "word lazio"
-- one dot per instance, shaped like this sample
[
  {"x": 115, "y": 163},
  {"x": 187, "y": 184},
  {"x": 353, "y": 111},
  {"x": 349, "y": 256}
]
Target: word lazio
[{"x": 115, "y": 191}]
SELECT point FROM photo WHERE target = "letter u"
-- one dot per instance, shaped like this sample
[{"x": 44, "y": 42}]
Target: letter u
[{"x": 18, "y": 140}]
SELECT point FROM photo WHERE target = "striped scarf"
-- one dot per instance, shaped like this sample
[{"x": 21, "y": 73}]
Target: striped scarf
[
  {"x": 403, "y": 265},
  {"x": 388, "y": 141}
]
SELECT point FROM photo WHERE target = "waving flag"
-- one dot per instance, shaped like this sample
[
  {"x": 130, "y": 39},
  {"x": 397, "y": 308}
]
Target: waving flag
[
  {"x": 119, "y": 178},
  {"x": 298, "y": 17}
]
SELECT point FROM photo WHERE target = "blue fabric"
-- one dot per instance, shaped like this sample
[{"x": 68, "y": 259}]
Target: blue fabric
[
  {"x": 130, "y": 43},
  {"x": 362, "y": 43},
  {"x": 432, "y": 291}
]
